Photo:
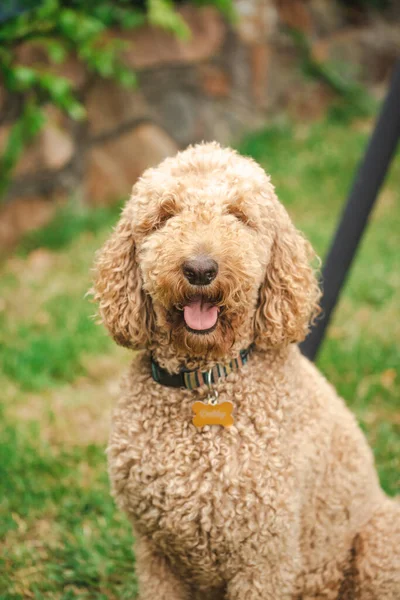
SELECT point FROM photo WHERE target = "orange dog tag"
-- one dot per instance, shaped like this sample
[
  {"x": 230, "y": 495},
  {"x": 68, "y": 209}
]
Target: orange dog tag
[{"x": 212, "y": 414}]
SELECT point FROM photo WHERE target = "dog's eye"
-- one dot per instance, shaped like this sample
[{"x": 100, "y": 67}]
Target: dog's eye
[
  {"x": 165, "y": 211},
  {"x": 162, "y": 219},
  {"x": 240, "y": 215}
]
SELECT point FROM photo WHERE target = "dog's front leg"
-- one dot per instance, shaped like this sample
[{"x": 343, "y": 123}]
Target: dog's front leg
[
  {"x": 155, "y": 578},
  {"x": 258, "y": 583}
]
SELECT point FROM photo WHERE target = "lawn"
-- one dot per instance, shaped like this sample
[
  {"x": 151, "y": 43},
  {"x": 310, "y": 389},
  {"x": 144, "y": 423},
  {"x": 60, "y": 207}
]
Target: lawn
[{"x": 61, "y": 536}]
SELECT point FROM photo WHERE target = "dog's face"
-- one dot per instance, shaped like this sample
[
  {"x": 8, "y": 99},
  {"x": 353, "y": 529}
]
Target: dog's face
[
  {"x": 205, "y": 261},
  {"x": 202, "y": 258}
]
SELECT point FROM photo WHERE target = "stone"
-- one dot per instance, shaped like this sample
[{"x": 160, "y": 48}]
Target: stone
[
  {"x": 259, "y": 66},
  {"x": 284, "y": 78},
  {"x": 23, "y": 215},
  {"x": 153, "y": 47},
  {"x": 73, "y": 70},
  {"x": 257, "y": 20},
  {"x": 33, "y": 53},
  {"x": 56, "y": 139},
  {"x": 214, "y": 81},
  {"x": 53, "y": 147},
  {"x": 327, "y": 16},
  {"x": 108, "y": 106},
  {"x": 57, "y": 147},
  {"x": 367, "y": 54},
  {"x": 31, "y": 159},
  {"x": 310, "y": 102},
  {"x": 115, "y": 165},
  {"x": 179, "y": 109},
  {"x": 295, "y": 14}
]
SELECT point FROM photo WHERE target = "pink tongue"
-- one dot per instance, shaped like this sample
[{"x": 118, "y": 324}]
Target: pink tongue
[{"x": 200, "y": 316}]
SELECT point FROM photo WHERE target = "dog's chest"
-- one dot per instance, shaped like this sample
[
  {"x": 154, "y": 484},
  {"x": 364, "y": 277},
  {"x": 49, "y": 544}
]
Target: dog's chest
[{"x": 198, "y": 492}]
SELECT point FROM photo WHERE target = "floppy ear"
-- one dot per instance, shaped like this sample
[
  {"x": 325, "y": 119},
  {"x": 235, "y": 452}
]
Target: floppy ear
[
  {"x": 124, "y": 307},
  {"x": 289, "y": 295}
]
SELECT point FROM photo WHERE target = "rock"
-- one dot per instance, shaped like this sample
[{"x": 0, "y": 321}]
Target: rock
[
  {"x": 181, "y": 113},
  {"x": 284, "y": 78},
  {"x": 114, "y": 166},
  {"x": 56, "y": 139},
  {"x": 109, "y": 106},
  {"x": 73, "y": 70},
  {"x": 295, "y": 14},
  {"x": 23, "y": 215},
  {"x": 256, "y": 27},
  {"x": 57, "y": 147},
  {"x": 214, "y": 81},
  {"x": 310, "y": 102},
  {"x": 154, "y": 47},
  {"x": 107, "y": 179},
  {"x": 51, "y": 149},
  {"x": 257, "y": 20},
  {"x": 33, "y": 52},
  {"x": 259, "y": 68},
  {"x": 367, "y": 53},
  {"x": 327, "y": 16}
]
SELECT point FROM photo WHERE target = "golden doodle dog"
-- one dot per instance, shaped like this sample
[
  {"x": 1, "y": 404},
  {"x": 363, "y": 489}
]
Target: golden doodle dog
[{"x": 244, "y": 475}]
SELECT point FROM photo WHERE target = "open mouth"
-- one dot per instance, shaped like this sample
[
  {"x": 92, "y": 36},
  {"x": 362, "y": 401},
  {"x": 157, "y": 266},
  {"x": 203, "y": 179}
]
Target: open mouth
[{"x": 200, "y": 315}]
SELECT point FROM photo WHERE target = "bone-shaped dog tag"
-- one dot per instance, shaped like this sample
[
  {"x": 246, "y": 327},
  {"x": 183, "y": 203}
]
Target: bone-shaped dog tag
[{"x": 212, "y": 414}]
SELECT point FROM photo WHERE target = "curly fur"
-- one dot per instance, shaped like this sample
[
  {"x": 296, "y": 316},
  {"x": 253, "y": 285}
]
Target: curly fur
[{"x": 285, "y": 504}]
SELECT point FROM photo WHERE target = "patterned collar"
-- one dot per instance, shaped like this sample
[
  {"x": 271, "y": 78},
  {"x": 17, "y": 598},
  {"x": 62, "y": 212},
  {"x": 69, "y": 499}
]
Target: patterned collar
[{"x": 193, "y": 379}]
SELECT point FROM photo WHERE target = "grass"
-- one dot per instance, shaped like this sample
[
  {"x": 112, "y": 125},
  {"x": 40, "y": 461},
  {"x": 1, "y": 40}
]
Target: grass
[{"x": 61, "y": 536}]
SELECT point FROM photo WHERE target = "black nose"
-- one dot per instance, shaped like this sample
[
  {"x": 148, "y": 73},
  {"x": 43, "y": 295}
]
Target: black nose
[{"x": 200, "y": 270}]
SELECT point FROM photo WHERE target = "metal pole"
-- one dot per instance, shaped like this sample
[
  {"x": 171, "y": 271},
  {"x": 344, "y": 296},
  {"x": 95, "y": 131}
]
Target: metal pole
[{"x": 369, "y": 179}]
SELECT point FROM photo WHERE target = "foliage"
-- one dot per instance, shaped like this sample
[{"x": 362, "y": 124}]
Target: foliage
[
  {"x": 61, "y": 28},
  {"x": 61, "y": 535},
  {"x": 356, "y": 100}
]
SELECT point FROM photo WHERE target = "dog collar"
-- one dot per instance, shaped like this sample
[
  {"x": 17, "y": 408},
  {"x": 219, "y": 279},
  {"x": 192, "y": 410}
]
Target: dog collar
[{"x": 193, "y": 379}]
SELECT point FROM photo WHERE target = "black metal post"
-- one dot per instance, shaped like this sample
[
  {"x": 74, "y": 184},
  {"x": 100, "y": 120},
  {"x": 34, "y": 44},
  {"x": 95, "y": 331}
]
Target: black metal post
[{"x": 369, "y": 179}]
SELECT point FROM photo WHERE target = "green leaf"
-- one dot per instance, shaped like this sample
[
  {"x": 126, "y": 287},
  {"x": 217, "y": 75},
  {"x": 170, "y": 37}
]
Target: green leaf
[
  {"x": 55, "y": 85},
  {"x": 56, "y": 51},
  {"x": 78, "y": 26},
  {"x": 226, "y": 7},
  {"x": 60, "y": 91},
  {"x": 129, "y": 19},
  {"x": 21, "y": 78},
  {"x": 162, "y": 14},
  {"x": 76, "y": 110},
  {"x": 22, "y": 132},
  {"x": 126, "y": 77}
]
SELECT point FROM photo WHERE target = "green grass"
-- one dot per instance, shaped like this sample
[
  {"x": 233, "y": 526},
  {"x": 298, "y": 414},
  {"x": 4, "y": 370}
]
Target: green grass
[
  {"x": 61, "y": 536},
  {"x": 70, "y": 221}
]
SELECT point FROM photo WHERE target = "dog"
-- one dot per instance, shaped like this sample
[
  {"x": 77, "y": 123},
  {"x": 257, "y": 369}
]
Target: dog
[{"x": 243, "y": 473}]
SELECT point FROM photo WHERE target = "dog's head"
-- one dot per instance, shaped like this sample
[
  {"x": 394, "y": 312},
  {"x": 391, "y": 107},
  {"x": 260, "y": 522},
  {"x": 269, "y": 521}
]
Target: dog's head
[{"x": 205, "y": 260}]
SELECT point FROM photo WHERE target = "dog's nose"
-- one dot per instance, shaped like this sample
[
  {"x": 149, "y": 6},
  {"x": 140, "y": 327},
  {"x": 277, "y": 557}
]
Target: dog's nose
[{"x": 200, "y": 270}]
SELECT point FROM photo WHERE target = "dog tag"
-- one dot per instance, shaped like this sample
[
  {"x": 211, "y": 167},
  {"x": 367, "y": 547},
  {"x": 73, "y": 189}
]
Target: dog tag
[{"x": 212, "y": 414}]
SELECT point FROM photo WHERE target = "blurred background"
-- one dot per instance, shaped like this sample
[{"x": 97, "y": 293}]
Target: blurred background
[{"x": 92, "y": 92}]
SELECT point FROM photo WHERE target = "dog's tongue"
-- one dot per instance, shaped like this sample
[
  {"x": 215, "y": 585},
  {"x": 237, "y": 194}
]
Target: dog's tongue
[{"x": 200, "y": 315}]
